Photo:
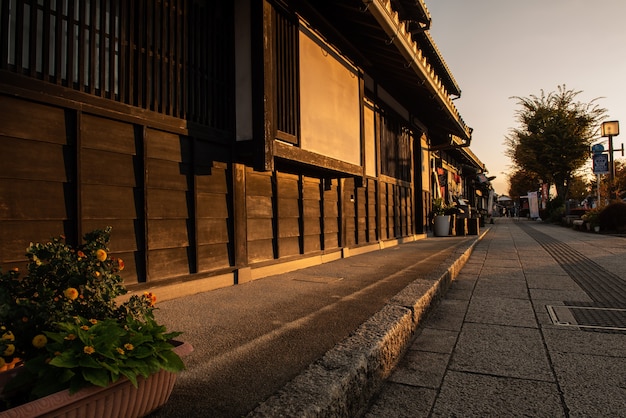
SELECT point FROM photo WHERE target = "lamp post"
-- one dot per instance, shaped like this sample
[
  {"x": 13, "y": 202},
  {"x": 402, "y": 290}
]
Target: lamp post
[{"x": 610, "y": 129}]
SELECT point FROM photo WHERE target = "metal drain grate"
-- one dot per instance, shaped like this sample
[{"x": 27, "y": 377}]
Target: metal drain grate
[{"x": 613, "y": 319}]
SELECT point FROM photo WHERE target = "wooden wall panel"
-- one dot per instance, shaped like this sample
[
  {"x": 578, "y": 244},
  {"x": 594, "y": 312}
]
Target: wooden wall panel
[
  {"x": 311, "y": 214},
  {"x": 372, "y": 229},
  {"x": 361, "y": 219},
  {"x": 170, "y": 205},
  {"x": 214, "y": 256},
  {"x": 382, "y": 202},
  {"x": 288, "y": 213},
  {"x": 29, "y": 120},
  {"x": 163, "y": 204},
  {"x": 110, "y": 174},
  {"x": 170, "y": 262},
  {"x": 349, "y": 212},
  {"x": 100, "y": 202},
  {"x": 36, "y": 175},
  {"x": 260, "y": 213},
  {"x": 332, "y": 216},
  {"x": 33, "y": 160},
  {"x": 107, "y": 135}
]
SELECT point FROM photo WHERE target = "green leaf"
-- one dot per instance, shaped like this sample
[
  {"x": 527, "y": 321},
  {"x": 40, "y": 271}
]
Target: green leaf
[
  {"x": 66, "y": 359},
  {"x": 130, "y": 375},
  {"x": 88, "y": 362},
  {"x": 98, "y": 377},
  {"x": 172, "y": 362}
]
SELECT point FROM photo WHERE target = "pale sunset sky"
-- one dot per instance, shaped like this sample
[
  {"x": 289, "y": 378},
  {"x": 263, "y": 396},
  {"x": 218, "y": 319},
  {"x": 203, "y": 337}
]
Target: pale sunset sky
[{"x": 498, "y": 49}]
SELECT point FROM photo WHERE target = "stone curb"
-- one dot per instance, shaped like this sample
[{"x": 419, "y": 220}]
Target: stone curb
[{"x": 343, "y": 381}]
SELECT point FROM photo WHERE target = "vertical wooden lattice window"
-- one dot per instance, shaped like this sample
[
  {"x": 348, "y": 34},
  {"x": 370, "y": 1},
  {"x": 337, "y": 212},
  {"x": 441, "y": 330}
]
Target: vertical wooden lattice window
[
  {"x": 287, "y": 81},
  {"x": 395, "y": 148},
  {"x": 173, "y": 57}
]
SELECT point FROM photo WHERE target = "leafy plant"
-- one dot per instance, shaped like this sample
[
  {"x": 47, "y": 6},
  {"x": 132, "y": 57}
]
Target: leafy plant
[
  {"x": 439, "y": 207},
  {"x": 62, "y": 321},
  {"x": 592, "y": 216}
]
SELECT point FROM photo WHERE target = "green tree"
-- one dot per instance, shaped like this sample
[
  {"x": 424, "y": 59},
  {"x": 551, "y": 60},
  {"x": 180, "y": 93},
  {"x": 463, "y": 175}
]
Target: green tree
[
  {"x": 521, "y": 182},
  {"x": 554, "y": 136}
]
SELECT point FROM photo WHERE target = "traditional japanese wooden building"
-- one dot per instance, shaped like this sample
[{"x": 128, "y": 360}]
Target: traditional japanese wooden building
[{"x": 223, "y": 140}]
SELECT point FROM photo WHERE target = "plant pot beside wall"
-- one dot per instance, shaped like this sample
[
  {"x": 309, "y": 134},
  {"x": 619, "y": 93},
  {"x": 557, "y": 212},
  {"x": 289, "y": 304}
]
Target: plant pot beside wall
[
  {"x": 76, "y": 351},
  {"x": 117, "y": 400},
  {"x": 442, "y": 225}
]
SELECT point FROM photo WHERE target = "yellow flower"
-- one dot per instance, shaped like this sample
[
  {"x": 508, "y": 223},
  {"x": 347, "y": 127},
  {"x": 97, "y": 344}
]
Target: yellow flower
[
  {"x": 70, "y": 337},
  {"x": 2, "y": 362},
  {"x": 93, "y": 321},
  {"x": 9, "y": 350},
  {"x": 89, "y": 349},
  {"x": 101, "y": 254},
  {"x": 119, "y": 350},
  {"x": 129, "y": 346},
  {"x": 71, "y": 293},
  {"x": 84, "y": 327},
  {"x": 8, "y": 336},
  {"x": 39, "y": 341}
]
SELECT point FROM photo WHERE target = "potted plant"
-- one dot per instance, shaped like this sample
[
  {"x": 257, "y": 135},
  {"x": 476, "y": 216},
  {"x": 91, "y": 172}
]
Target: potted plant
[
  {"x": 591, "y": 219},
  {"x": 441, "y": 226},
  {"x": 65, "y": 335}
]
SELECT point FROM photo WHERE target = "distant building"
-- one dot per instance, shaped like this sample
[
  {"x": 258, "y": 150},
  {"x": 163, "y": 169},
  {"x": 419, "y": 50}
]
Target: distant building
[{"x": 225, "y": 140}]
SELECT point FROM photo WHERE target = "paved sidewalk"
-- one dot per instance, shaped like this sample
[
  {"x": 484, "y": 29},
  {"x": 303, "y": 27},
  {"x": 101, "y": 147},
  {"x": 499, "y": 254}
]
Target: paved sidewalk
[{"x": 523, "y": 331}]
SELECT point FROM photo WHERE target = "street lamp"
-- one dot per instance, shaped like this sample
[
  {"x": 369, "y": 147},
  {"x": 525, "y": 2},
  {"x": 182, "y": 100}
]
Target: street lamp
[{"x": 610, "y": 129}]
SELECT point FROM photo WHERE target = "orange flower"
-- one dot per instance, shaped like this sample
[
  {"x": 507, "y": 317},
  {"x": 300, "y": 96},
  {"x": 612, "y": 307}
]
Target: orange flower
[
  {"x": 119, "y": 350},
  {"x": 71, "y": 293},
  {"x": 8, "y": 336},
  {"x": 70, "y": 337},
  {"x": 151, "y": 298},
  {"x": 84, "y": 328},
  {"x": 9, "y": 350},
  {"x": 80, "y": 254},
  {"x": 89, "y": 349},
  {"x": 120, "y": 264},
  {"x": 39, "y": 341},
  {"x": 129, "y": 346},
  {"x": 93, "y": 321},
  {"x": 101, "y": 254}
]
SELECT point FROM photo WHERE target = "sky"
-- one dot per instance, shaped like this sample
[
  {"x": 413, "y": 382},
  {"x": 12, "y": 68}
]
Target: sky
[{"x": 501, "y": 49}]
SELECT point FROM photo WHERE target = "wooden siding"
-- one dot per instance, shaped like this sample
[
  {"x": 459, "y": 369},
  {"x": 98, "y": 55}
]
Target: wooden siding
[
  {"x": 311, "y": 214},
  {"x": 36, "y": 176},
  {"x": 332, "y": 215},
  {"x": 65, "y": 172},
  {"x": 260, "y": 215}
]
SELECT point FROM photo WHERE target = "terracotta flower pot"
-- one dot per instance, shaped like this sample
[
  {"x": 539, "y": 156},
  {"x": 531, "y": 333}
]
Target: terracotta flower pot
[{"x": 118, "y": 400}]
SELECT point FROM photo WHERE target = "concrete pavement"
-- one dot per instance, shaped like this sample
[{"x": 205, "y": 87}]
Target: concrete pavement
[{"x": 523, "y": 331}]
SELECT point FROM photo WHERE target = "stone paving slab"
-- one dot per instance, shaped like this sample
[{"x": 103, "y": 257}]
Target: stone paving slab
[
  {"x": 473, "y": 395},
  {"x": 502, "y": 351},
  {"x": 499, "y": 311}
]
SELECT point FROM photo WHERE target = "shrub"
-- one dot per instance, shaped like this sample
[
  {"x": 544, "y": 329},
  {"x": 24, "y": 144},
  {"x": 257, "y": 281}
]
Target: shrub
[{"x": 613, "y": 217}]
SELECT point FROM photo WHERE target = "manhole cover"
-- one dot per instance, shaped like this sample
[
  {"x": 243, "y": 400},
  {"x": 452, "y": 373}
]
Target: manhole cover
[{"x": 613, "y": 319}]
